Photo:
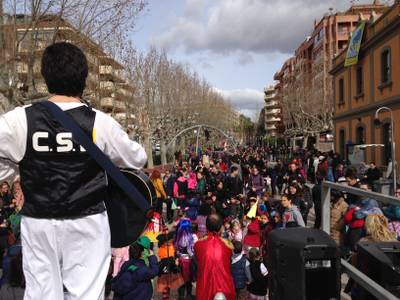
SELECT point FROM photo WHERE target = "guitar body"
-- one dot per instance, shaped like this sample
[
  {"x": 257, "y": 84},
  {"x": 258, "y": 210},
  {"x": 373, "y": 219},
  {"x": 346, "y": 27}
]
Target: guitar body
[{"x": 127, "y": 221}]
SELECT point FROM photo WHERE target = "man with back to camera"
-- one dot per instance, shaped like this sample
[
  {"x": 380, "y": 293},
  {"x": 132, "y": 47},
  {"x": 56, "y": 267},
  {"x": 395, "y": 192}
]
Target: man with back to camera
[
  {"x": 213, "y": 261},
  {"x": 64, "y": 229}
]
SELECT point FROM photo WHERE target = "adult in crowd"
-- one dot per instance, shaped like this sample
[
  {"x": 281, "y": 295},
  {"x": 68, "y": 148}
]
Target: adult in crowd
[
  {"x": 291, "y": 215},
  {"x": 233, "y": 183},
  {"x": 316, "y": 197},
  {"x": 64, "y": 227},
  {"x": 371, "y": 175},
  {"x": 294, "y": 175},
  {"x": 5, "y": 193},
  {"x": 256, "y": 183},
  {"x": 352, "y": 181},
  {"x": 338, "y": 210},
  {"x": 213, "y": 256},
  {"x": 157, "y": 182},
  {"x": 169, "y": 180}
]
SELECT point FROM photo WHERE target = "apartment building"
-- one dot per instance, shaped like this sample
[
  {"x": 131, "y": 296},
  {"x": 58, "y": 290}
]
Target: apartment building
[
  {"x": 272, "y": 111},
  {"x": 107, "y": 86},
  {"x": 310, "y": 87}
]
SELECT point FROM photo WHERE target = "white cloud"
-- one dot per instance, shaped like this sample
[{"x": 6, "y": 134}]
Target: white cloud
[
  {"x": 247, "y": 101},
  {"x": 194, "y": 8},
  {"x": 258, "y": 26}
]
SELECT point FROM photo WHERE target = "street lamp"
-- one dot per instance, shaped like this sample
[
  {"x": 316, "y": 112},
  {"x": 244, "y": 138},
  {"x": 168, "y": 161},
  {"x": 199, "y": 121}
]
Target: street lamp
[{"x": 377, "y": 122}]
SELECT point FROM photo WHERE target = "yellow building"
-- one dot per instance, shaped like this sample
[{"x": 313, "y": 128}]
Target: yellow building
[{"x": 361, "y": 89}]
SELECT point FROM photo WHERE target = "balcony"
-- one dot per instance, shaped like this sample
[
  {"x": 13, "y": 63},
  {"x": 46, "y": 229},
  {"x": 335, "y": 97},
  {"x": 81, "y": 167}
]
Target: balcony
[
  {"x": 106, "y": 70},
  {"x": 273, "y": 120},
  {"x": 273, "y": 111},
  {"x": 107, "y": 85},
  {"x": 271, "y": 104},
  {"x": 122, "y": 117},
  {"x": 109, "y": 104},
  {"x": 271, "y": 127}
]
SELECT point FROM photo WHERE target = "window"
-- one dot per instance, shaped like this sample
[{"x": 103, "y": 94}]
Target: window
[
  {"x": 341, "y": 142},
  {"x": 341, "y": 91},
  {"x": 385, "y": 66},
  {"x": 359, "y": 81},
  {"x": 360, "y": 135}
]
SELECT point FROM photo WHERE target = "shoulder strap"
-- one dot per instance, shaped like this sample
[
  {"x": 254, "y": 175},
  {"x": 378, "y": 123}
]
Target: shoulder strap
[{"x": 94, "y": 151}]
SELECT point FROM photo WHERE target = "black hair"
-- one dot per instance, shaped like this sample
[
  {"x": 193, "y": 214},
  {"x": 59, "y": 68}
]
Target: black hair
[
  {"x": 214, "y": 223},
  {"x": 336, "y": 194},
  {"x": 65, "y": 69},
  {"x": 135, "y": 251},
  {"x": 254, "y": 254},
  {"x": 204, "y": 209},
  {"x": 351, "y": 173},
  {"x": 237, "y": 247},
  {"x": 233, "y": 169},
  {"x": 5, "y": 183}
]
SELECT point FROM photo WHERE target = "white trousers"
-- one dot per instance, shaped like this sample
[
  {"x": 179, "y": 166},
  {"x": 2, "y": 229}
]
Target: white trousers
[{"x": 70, "y": 253}]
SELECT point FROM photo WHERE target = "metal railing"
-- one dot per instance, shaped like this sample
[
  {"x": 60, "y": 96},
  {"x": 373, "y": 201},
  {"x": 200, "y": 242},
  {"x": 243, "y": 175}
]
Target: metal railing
[{"x": 363, "y": 280}]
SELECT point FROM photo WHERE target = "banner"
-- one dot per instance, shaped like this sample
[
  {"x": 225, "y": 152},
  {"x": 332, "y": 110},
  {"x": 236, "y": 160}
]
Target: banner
[{"x": 354, "y": 46}]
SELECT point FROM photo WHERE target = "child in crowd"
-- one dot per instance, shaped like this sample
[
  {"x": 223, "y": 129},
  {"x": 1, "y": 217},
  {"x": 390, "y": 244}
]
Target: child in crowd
[
  {"x": 169, "y": 277},
  {"x": 257, "y": 276},
  {"x": 134, "y": 279},
  {"x": 226, "y": 229},
  {"x": 252, "y": 238},
  {"x": 236, "y": 232},
  {"x": 238, "y": 269},
  {"x": 184, "y": 243}
]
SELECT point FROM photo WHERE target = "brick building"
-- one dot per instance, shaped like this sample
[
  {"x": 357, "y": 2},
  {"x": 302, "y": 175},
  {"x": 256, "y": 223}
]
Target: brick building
[{"x": 308, "y": 105}]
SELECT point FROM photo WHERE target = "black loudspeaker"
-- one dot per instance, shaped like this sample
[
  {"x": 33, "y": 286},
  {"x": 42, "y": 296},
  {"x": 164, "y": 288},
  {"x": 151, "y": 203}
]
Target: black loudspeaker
[
  {"x": 381, "y": 263},
  {"x": 304, "y": 264}
]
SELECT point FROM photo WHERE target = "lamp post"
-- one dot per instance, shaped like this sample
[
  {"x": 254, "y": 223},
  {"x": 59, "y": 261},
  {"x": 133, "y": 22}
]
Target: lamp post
[{"x": 393, "y": 142}]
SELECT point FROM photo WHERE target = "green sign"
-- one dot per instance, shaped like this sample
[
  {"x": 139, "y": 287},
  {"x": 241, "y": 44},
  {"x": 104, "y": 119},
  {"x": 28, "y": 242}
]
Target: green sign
[{"x": 354, "y": 46}]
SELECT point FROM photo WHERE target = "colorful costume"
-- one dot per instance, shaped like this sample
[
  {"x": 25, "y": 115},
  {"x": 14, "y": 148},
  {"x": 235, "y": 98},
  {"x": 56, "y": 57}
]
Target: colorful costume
[
  {"x": 213, "y": 255},
  {"x": 153, "y": 229}
]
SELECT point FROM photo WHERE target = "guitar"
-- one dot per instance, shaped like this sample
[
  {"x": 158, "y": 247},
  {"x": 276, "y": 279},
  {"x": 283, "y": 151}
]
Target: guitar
[{"x": 127, "y": 221}]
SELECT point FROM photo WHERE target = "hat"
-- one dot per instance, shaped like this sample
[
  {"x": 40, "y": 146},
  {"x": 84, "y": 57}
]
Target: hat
[
  {"x": 253, "y": 211},
  {"x": 144, "y": 241},
  {"x": 321, "y": 157},
  {"x": 162, "y": 238}
]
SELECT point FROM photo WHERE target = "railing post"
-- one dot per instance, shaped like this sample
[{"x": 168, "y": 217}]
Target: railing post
[{"x": 326, "y": 208}]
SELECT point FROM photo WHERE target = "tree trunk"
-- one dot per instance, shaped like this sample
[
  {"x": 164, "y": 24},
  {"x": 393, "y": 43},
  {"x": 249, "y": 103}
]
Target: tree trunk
[
  {"x": 305, "y": 142},
  {"x": 149, "y": 150},
  {"x": 163, "y": 150},
  {"x": 4, "y": 104}
]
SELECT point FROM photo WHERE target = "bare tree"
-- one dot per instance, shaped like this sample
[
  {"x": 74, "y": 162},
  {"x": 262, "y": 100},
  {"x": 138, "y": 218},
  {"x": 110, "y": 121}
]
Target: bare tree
[{"x": 33, "y": 24}]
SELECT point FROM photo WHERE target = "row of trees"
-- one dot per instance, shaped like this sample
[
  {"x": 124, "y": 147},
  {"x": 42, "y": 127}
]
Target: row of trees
[
  {"x": 164, "y": 96},
  {"x": 169, "y": 97}
]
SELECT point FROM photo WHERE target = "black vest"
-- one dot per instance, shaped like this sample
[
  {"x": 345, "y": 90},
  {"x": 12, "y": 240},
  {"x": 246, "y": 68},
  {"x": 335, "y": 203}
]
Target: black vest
[
  {"x": 259, "y": 285},
  {"x": 58, "y": 178}
]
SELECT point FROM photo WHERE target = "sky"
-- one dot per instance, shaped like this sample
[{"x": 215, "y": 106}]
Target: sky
[{"x": 236, "y": 45}]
